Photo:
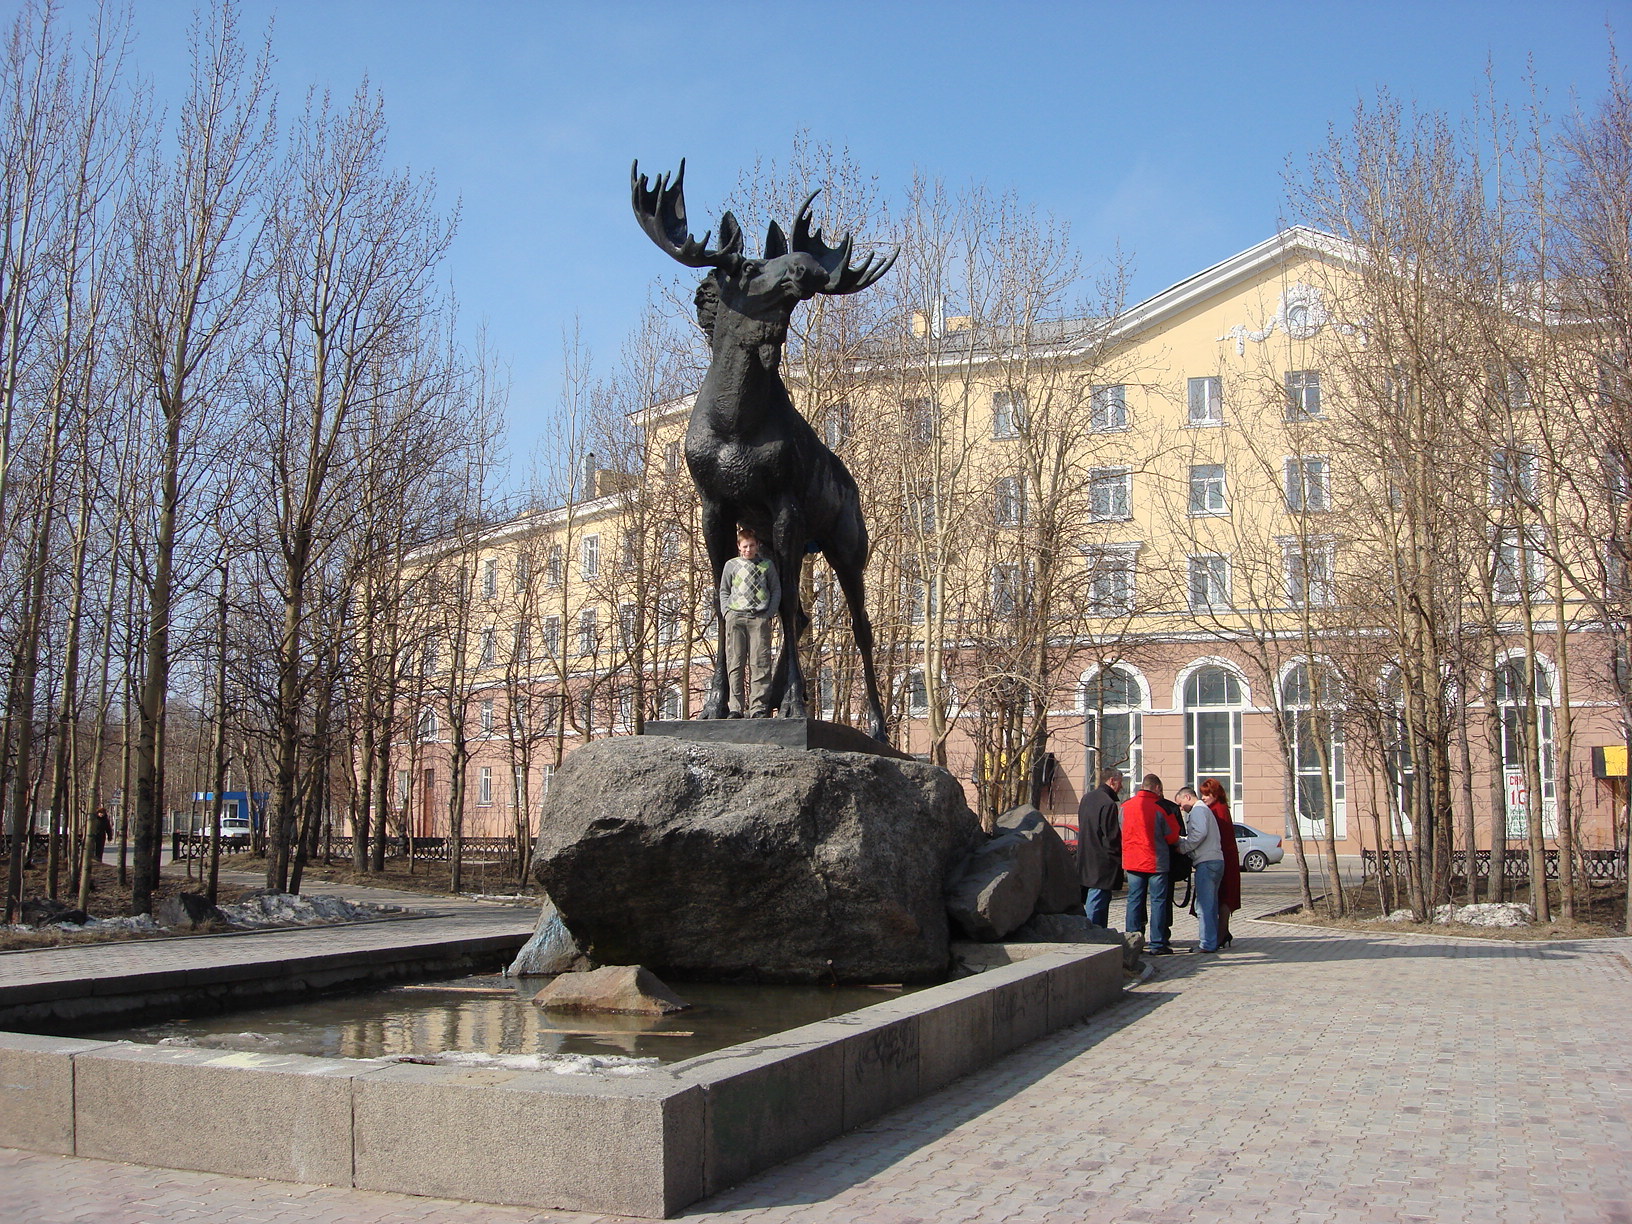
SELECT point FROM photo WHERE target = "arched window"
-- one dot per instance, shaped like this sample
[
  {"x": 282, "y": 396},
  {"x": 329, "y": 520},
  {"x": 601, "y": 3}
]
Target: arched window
[
  {"x": 1399, "y": 763},
  {"x": 1212, "y": 728},
  {"x": 1524, "y": 694},
  {"x": 1311, "y": 701},
  {"x": 668, "y": 706},
  {"x": 1114, "y": 726}
]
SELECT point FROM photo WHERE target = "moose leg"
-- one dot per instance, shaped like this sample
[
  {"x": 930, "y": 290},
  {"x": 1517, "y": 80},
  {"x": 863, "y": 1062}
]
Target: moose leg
[
  {"x": 720, "y": 540},
  {"x": 848, "y": 571},
  {"x": 788, "y": 686}
]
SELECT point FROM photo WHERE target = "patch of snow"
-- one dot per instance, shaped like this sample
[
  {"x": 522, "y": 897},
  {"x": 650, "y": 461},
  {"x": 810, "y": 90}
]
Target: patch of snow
[
  {"x": 561, "y": 1064},
  {"x": 1495, "y": 914},
  {"x": 287, "y": 909},
  {"x": 141, "y": 922}
]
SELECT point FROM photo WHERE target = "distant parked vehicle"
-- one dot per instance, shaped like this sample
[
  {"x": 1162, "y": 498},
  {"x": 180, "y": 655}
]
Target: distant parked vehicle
[
  {"x": 1067, "y": 829},
  {"x": 1257, "y": 850}
]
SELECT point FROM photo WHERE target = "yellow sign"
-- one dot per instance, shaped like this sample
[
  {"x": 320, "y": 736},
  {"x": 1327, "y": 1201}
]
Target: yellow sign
[{"x": 1614, "y": 761}]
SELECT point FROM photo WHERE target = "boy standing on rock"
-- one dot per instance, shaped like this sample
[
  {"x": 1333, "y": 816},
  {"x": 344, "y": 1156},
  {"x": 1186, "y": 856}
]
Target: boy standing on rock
[{"x": 749, "y": 596}]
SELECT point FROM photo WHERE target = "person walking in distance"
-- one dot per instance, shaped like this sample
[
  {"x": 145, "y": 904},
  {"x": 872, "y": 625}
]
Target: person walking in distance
[
  {"x": 1201, "y": 842},
  {"x": 750, "y": 593},
  {"x": 1099, "y": 845},
  {"x": 1148, "y": 835},
  {"x": 1229, "y": 889}
]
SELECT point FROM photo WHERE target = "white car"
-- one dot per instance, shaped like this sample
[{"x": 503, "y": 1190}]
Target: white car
[{"x": 1257, "y": 850}]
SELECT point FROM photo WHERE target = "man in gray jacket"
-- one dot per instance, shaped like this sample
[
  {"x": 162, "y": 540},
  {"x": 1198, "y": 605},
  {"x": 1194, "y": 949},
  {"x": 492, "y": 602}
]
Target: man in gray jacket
[{"x": 1200, "y": 842}]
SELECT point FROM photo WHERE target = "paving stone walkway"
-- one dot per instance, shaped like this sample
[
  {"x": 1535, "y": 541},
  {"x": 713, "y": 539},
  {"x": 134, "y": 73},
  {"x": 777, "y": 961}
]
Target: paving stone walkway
[{"x": 1303, "y": 1076}]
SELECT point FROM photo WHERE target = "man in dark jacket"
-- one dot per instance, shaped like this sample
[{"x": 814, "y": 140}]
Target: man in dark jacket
[{"x": 1099, "y": 845}]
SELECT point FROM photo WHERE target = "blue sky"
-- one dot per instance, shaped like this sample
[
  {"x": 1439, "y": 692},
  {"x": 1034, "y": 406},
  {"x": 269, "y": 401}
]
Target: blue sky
[{"x": 1162, "y": 127}]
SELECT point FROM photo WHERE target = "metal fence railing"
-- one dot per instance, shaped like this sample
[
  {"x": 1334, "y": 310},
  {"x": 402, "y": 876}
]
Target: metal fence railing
[{"x": 1592, "y": 864}]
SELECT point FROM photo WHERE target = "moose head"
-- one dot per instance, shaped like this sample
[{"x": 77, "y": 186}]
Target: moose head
[{"x": 764, "y": 290}]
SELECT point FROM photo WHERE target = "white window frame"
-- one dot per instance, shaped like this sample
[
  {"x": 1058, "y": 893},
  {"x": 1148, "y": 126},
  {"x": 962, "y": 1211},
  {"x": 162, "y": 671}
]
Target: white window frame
[
  {"x": 484, "y": 786},
  {"x": 1214, "y": 568},
  {"x": 1306, "y": 484},
  {"x": 1008, "y": 414},
  {"x": 1113, "y": 579},
  {"x": 1207, "y": 393},
  {"x": 1303, "y": 396},
  {"x": 589, "y": 556},
  {"x": 1108, "y": 408},
  {"x": 1207, "y": 486},
  {"x": 1296, "y": 575},
  {"x": 485, "y": 715},
  {"x": 589, "y": 630},
  {"x": 1118, "y": 506},
  {"x": 1009, "y": 501}
]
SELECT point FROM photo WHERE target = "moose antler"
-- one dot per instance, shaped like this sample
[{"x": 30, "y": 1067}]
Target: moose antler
[
  {"x": 661, "y": 211},
  {"x": 835, "y": 261}
]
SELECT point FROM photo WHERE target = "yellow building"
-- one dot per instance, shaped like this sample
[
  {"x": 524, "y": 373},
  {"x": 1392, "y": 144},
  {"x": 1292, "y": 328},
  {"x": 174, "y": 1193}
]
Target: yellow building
[{"x": 1164, "y": 541}]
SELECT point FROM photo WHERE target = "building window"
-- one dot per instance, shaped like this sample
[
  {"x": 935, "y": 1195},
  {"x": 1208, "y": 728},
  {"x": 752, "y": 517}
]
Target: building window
[
  {"x": 1110, "y": 494},
  {"x": 1008, "y": 592},
  {"x": 1206, "y": 401},
  {"x": 923, "y": 421},
  {"x": 1511, "y": 383},
  {"x": 551, "y": 626},
  {"x": 428, "y": 658},
  {"x": 915, "y": 693},
  {"x": 1315, "y": 730},
  {"x": 1303, "y": 395},
  {"x": 523, "y": 571},
  {"x": 486, "y": 710},
  {"x": 427, "y": 728},
  {"x": 668, "y": 705},
  {"x": 1110, "y": 581},
  {"x": 1207, "y": 489},
  {"x": 1212, "y": 729},
  {"x": 553, "y": 566},
  {"x": 671, "y": 545},
  {"x": 1108, "y": 408},
  {"x": 489, "y": 654},
  {"x": 589, "y": 557},
  {"x": 914, "y": 594},
  {"x": 405, "y": 783},
  {"x": 1010, "y": 501},
  {"x": 1517, "y": 571},
  {"x": 586, "y": 632},
  {"x": 1307, "y": 485},
  {"x": 836, "y": 425},
  {"x": 918, "y": 511},
  {"x": 484, "y": 787},
  {"x": 1209, "y": 583},
  {"x": 1514, "y": 476},
  {"x": 626, "y": 707},
  {"x": 671, "y": 458},
  {"x": 628, "y": 625},
  {"x": 1307, "y": 565},
  {"x": 518, "y": 642},
  {"x": 1523, "y": 691},
  {"x": 669, "y": 608},
  {"x": 1008, "y": 414},
  {"x": 490, "y": 578},
  {"x": 1113, "y": 729}
]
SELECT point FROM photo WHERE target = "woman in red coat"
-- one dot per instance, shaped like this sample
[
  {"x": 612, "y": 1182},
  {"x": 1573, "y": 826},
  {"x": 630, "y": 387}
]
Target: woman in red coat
[{"x": 1229, "y": 889}]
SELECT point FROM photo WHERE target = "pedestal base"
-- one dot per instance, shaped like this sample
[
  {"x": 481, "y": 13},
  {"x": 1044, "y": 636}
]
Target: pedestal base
[{"x": 777, "y": 732}]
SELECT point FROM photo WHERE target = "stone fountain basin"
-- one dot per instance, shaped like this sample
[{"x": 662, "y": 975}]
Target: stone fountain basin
[{"x": 641, "y": 1145}]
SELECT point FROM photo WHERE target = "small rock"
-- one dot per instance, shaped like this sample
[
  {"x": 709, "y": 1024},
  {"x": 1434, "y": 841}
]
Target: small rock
[
  {"x": 552, "y": 949},
  {"x": 624, "y": 989},
  {"x": 186, "y": 909},
  {"x": 1060, "y": 890}
]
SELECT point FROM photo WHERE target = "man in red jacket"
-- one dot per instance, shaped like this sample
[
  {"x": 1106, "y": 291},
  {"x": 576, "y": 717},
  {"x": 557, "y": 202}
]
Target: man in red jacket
[{"x": 1148, "y": 833}]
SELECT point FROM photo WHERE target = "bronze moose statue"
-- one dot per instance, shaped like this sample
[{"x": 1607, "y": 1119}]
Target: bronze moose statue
[{"x": 754, "y": 459}]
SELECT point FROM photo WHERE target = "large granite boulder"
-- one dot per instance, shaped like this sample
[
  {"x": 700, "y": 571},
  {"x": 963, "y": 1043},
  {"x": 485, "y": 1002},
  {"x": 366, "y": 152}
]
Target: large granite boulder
[
  {"x": 1060, "y": 889},
  {"x": 754, "y": 863},
  {"x": 1022, "y": 869}
]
